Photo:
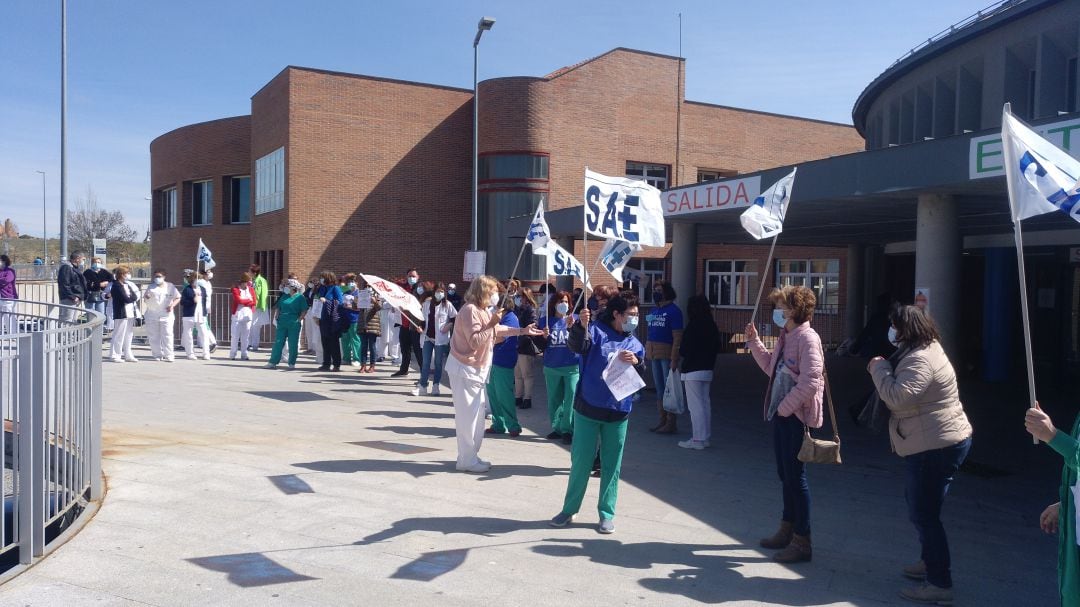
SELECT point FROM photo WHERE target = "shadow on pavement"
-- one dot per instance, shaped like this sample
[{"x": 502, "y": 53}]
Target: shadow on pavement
[
  {"x": 409, "y": 414},
  {"x": 434, "y": 431},
  {"x": 422, "y": 469},
  {"x": 250, "y": 569}
]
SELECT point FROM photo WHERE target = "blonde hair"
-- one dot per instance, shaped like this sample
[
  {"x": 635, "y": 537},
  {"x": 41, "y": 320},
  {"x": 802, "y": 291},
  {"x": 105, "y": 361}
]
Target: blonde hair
[{"x": 480, "y": 290}]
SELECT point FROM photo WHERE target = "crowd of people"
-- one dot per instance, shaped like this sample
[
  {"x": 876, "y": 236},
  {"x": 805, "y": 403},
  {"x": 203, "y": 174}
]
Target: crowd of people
[{"x": 491, "y": 340}]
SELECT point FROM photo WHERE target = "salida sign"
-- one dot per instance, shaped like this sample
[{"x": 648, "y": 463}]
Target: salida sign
[{"x": 730, "y": 194}]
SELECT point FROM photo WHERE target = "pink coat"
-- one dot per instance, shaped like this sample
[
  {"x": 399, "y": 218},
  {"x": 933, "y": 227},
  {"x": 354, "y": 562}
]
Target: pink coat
[{"x": 801, "y": 349}]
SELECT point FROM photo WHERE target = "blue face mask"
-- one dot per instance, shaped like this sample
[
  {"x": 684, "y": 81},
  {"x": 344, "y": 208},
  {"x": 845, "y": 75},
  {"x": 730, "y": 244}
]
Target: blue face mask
[
  {"x": 778, "y": 318},
  {"x": 892, "y": 337},
  {"x": 629, "y": 323},
  {"x": 419, "y": 290},
  {"x": 413, "y": 280},
  {"x": 562, "y": 307},
  {"x": 452, "y": 291},
  {"x": 517, "y": 300}
]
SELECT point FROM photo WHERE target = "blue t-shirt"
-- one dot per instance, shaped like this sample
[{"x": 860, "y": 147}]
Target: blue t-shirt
[
  {"x": 352, "y": 315},
  {"x": 557, "y": 354},
  {"x": 505, "y": 354},
  {"x": 662, "y": 321},
  {"x": 605, "y": 341}
]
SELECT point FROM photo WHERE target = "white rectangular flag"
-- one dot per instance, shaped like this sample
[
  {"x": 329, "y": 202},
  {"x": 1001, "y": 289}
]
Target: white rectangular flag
[
  {"x": 765, "y": 218},
  {"x": 1042, "y": 178},
  {"x": 539, "y": 234},
  {"x": 205, "y": 256},
  {"x": 392, "y": 294},
  {"x": 615, "y": 255},
  {"x": 561, "y": 262},
  {"x": 623, "y": 209}
]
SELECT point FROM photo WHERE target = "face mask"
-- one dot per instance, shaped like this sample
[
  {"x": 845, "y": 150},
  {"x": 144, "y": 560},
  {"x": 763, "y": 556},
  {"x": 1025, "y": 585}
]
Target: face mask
[
  {"x": 892, "y": 337},
  {"x": 452, "y": 291},
  {"x": 629, "y": 323},
  {"x": 493, "y": 301},
  {"x": 657, "y": 296},
  {"x": 562, "y": 307},
  {"x": 209, "y": 275},
  {"x": 413, "y": 280},
  {"x": 286, "y": 290},
  {"x": 439, "y": 295},
  {"x": 517, "y": 300},
  {"x": 96, "y": 266},
  {"x": 778, "y": 318},
  {"x": 352, "y": 286},
  {"x": 159, "y": 280},
  {"x": 311, "y": 285},
  {"x": 419, "y": 290}
]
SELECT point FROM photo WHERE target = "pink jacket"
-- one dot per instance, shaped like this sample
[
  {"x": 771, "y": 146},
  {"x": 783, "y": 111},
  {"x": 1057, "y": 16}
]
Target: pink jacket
[{"x": 802, "y": 354}]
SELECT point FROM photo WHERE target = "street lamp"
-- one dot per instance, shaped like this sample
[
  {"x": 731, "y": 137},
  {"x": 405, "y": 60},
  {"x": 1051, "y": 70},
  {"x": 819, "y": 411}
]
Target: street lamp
[
  {"x": 44, "y": 223},
  {"x": 485, "y": 24}
]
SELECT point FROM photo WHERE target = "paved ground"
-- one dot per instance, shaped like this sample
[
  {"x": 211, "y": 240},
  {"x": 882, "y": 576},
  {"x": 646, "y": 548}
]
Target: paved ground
[{"x": 234, "y": 485}]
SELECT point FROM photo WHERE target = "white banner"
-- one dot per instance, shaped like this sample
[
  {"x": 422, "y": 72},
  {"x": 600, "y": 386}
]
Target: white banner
[
  {"x": 561, "y": 262},
  {"x": 539, "y": 234},
  {"x": 765, "y": 218},
  {"x": 395, "y": 296},
  {"x": 622, "y": 208},
  {"x": 205, "y": 256},
  {"x": 615, "y": 255},
  {"x": 1042, "y": 178}
]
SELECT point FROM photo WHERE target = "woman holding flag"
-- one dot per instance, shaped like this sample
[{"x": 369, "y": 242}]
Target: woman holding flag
[{"x": 561, "y": 367}]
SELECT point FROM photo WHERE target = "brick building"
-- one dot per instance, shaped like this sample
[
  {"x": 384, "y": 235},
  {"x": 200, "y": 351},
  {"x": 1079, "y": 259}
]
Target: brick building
[{"x": 351, "y": 172}]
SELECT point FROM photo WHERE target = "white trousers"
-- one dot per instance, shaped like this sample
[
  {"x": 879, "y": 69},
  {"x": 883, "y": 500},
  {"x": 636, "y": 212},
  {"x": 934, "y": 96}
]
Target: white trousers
[
  {"x": 261, "y": 318},
  {"x": 469, "y": 388},
  {"x": 311, "y": 334},
  {"x": 699, "y": 405},
  {"x": 159, "y": 331},
  {"x": 241, "y": 331},
  {"x": 123, "y": 331},
  {"x": 189, "y": 323},
  {"x": 8, "y": 321},
  {"x": 387, "y": 346}
]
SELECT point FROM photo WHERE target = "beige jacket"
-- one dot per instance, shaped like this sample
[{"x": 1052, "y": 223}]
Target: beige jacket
[{"x": 924, "y": 401}]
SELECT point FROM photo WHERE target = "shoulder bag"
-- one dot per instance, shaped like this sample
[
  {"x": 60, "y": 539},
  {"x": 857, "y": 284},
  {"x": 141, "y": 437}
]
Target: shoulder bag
[{"x": 815, "y": 450}]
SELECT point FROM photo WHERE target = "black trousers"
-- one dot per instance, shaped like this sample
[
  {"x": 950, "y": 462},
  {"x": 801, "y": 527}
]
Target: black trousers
[
  {"x": 410, "y": 345},
  {"x": 331, "y": 347}
]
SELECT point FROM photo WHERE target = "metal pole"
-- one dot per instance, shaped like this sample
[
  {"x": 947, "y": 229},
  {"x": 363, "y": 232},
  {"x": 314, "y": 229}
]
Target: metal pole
[
  {"x": 475, "y": 145},
  {"x": 764, "y": 275},
  {"x": 63, "y": 130},
  {"x": 44, "y": 223}
]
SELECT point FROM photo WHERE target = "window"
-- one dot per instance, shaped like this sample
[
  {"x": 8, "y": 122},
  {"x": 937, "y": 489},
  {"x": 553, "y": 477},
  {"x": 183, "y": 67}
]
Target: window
[
  {"x": 202, "y": 202},
  {"x": 731, "y": 283},
  {"x": 168, "y": 208},
  {"x": 655, "y": 175},
  {"x": 711, "y": 174},
  {"x": 513, "y": 166},
  {"x": 240, "y": 200},
  {"x": 270, "y": 182},
  {"x": 642, "y": 274},
  {"x": 822, "y": 276}
]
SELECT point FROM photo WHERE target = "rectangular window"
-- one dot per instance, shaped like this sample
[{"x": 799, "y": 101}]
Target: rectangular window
[
  {"x": 202, "y": 202},
  {"x": 655, "y": 175},
  {"x": 270, "y": 182},
  {"x": 642, "y": 275},
  {"x": 513, "y": 166},
  {"x": 822, "y": 276},
  {"x": 168, "y": 208},
  {"x": 240, "y": 200},
  {"x": 711, "y": 174},
  {"x": 731, "y": 283}
]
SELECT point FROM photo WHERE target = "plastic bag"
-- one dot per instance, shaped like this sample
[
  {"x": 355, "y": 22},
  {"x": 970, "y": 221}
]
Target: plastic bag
[{"x": 674, "y": 395}]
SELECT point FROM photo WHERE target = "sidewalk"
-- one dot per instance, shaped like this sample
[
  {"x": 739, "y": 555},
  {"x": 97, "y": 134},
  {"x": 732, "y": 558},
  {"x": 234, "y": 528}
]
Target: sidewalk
[{"x": 230, "y": 484}]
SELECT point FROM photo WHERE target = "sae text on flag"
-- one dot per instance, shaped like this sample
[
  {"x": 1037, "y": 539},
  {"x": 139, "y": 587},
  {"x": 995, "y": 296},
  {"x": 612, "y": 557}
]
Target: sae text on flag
[
  {"x": 621, "y": 208},
  {"x": 1042, "y": 178},
  {"x": 561, "y": 263},
  {"x": 765, "y": 218},
  {"x": 539, "y": 234},
  {"x": 205, "y": 256},
  {"x": 615, "y": 255}
]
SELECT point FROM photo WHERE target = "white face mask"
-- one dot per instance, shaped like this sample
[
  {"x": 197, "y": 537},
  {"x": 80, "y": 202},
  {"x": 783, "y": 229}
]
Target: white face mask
[
  {"x": 439, "y": 295},
  {"x": 419, "y": 290},
  {"x": 159, "y": 280},
  {"x": 892, "y": 337},
  {"x": 629, "y": 323},
  {"x": 413, "y": 280},
  {"x": 209, "y": 275},
  {"x": 779, "y": 318},
  {"x": 562, "y": 307},
  {"x": 96, "y": 266},
  {"x": 493, "y": 301}
]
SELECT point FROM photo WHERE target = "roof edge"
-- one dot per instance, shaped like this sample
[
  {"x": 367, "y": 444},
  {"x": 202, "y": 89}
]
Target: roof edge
[
  {"x": 195, "y": 124},
  {"x": 764, "y": 113}
]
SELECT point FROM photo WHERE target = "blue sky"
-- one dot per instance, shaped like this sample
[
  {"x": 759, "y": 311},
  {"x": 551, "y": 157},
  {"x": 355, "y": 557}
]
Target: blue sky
[{"x": 139, "y": 68}]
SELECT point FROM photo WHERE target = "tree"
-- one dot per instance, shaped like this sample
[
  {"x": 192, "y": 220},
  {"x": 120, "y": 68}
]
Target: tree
[
  {"x": 8, "y": 232},
  {"x": 88, "y": 221}
]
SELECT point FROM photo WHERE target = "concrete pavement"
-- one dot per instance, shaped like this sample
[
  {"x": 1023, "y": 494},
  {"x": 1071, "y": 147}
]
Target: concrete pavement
[{"x": 230, "y": 484}]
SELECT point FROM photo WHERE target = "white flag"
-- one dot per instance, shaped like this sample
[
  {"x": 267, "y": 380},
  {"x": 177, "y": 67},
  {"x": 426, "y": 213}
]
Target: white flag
[
  {"x": 765, "y": 218},
  {"x": 632, "y": 275},
  {"x": 539, "y": 234},
  {"x": 397, "y": 297},
  {"x": 561, "y": 262},
  {"x": 622, "y": 208},
  {"x": 615, "y": 255},
  {"x": 205, "y": 256},
  {"x": 1041, "y": 177}
]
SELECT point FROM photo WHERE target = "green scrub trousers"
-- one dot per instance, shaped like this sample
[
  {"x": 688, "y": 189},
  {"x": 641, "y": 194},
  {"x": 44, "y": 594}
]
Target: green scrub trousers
[
  {"x": 500, "y": 391},
  {"x": 561, "y": 385},
  {"x": 612, "y": 437}
]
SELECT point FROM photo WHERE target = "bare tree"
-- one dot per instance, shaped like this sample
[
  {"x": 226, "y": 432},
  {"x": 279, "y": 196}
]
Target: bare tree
[
  {"x": 8, "y": 232},
  {"x": 89, "y": 221}
]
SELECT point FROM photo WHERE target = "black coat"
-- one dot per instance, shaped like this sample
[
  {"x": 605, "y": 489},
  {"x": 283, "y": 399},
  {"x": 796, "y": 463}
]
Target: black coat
[
  {"x": 700, "y": 345},
  {"x": 71, "y": 282},
  {"x": 94, "y": 278},
  {"x": 122, "y": 296}
]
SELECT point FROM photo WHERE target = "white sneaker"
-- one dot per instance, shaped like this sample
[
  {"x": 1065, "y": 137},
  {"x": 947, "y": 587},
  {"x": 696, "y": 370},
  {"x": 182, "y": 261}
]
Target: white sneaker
[
  {"x": 355, "y": 363},
  {"x": 131, "y": 360},
  {"x": 207, "y": 357},
  {"x": 419, "y": 391},
  {"x": 291, "y": 367},
  {"x": 169, "y": 359},
  {"x": 479, "y": 467},
  {"x": 692, "y": 444},
  {"x": 116, "y": 359},
  {"x": 435, "y": 390},
  {"x": 192, "y": 357},
  {"x": 269, "y": 366}
]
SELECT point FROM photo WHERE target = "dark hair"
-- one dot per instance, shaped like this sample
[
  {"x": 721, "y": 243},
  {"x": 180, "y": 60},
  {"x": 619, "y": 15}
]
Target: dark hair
[
  {"x": 411, "y": 270},
  {"x": 620, "y": 302},
  {"x": 798, "y": 300},
  {"x": 255, "y": 268},
  {"x": 555, "y": 299},
  {"x": 429, "y": 290},
  {"x": 328, "y": 277},
  {"x": 160, "y": 271},
  {"x": 667, "y": 289},
  {"x": 348, "y": 277},
  {"x": 699, "y": 310},
  {"x": 76, "y": 254},
  {"x": 914, "y": 327},
  {"x": 5, "y": 259}
]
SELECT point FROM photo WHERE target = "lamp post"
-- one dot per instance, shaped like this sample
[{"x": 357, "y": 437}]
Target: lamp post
[
  {"x": 63, "y": 131},
  {"x": 44, "y": 223},
  {"x": 485, "y": 24}
]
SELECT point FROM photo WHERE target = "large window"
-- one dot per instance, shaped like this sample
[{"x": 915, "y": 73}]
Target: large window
[
  {"x": 270, "y": 182},
  {"x": 240, "y": 200},
  {"x": 822, "y": 276},
  {"x": 202, "y": 202},
  {"x": 731, "y": 283},
  {"x": 513, "y": 166},
  {"x": 655, "y": 175},
  {"x": 168, "y": 208},
  {"x": 641, "y": 275},
  {"x": 711, "y": 174}
]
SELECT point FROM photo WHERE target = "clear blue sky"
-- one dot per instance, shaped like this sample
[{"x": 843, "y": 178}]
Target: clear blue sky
[{"x": 139, "y": 68}]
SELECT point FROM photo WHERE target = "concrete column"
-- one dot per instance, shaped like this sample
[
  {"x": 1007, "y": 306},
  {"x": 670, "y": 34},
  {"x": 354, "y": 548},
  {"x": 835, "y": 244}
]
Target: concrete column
[
  {"x": 938, "y": 247},
  {"x": 684, "y": 261},
  {"x": 565, "y": 283},
  {"x": 855, "y": 287}
]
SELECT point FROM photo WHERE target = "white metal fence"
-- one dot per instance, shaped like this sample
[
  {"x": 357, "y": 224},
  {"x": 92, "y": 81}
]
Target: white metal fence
[{"x": 50, "y": 396}]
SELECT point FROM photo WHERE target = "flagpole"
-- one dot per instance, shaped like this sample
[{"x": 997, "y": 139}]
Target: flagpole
[{"x": 764, "y": 275}]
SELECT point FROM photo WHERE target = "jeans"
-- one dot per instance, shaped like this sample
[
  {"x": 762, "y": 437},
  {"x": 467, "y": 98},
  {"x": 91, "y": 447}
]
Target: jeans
[
  {"x": 660, "y": 368},
  {"x": 331, "y": 348},
  {"x": 787, "y": 440},
  {"x": 367, "y": 348},
  {"x": 928, "y": 477},
  {"x": 97, "y": 306},
  {"x": 432, "y": 363}
]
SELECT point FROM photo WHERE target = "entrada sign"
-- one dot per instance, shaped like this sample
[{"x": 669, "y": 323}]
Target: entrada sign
[{"x": 986, "y": 158}]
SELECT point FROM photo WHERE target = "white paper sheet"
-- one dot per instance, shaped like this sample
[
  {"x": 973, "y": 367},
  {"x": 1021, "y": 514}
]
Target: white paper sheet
[{"x": 621, "y": 378}]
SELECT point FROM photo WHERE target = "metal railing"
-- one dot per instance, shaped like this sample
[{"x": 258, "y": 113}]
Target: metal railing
[
  {"x": 828, "y": 321},
  {"x": 50, "y": 396},
  {"x": 998, "y": 7}
]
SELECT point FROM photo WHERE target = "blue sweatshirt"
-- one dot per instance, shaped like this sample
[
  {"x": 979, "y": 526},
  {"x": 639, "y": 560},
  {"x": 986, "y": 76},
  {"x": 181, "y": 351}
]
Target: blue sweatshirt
[
  {"x": 505, "y": 354},
  {"x": 352, "y": 315},
  {"x": 603, "y": 340},
  {"x": 557, "y": 354}
]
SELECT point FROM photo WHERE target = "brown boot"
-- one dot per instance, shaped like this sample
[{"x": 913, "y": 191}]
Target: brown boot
[
  {"x": 798, "y": 551},
  {"x": 780, "y": 539},
  {"x": 670, "y": 427},
  {"x": 663, "y": 420}
]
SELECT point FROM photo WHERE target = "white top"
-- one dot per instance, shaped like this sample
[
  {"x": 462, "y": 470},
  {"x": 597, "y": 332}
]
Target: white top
[
  {"x": 202, "y": 282},
  {"x": 156, "y": 298},
  {"x": 131, "y": 310},
  {"x": 443, "y": 313}
]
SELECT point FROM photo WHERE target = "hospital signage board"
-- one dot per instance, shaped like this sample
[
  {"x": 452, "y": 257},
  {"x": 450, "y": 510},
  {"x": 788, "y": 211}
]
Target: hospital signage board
[
  {"x": 711, "y": 196},
  {"x": 986, "y": 158}
]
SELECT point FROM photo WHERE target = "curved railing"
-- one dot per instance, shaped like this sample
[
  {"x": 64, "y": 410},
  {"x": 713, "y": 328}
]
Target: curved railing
[{"x": 50, "y": 396}]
